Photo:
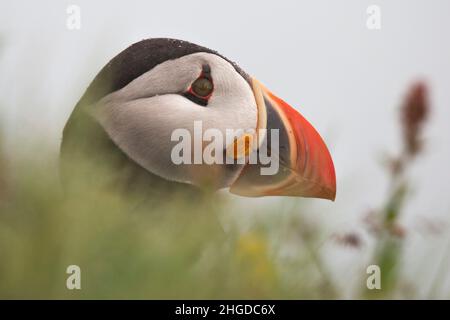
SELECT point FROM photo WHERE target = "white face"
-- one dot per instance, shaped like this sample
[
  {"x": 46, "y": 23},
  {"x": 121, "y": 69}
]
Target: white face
[{"x": 141, "y": 117}]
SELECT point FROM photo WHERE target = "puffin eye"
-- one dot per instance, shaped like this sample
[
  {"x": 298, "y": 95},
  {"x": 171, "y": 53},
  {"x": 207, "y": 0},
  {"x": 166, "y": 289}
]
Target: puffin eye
[{"x": 202, "y": 87}]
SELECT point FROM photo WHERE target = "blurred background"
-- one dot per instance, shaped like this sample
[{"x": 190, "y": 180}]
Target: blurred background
[{"x": 349, "y": 81}]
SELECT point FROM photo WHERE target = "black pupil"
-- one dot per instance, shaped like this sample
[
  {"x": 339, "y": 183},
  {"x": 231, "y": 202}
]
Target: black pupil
[{"x": 202, "y": 87}]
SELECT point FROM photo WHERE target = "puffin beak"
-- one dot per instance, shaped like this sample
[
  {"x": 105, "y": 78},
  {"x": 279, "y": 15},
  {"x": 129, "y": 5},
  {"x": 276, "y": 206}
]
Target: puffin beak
[{"x": 304, "y": 168}]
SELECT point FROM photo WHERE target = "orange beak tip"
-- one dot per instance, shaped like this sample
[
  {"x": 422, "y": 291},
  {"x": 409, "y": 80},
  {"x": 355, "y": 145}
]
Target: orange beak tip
[{"x": 308, "y": 163}]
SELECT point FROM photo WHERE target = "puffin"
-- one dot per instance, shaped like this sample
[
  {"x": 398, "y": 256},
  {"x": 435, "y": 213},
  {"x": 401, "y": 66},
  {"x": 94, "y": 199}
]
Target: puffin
[{"x": 120, "y": 135}]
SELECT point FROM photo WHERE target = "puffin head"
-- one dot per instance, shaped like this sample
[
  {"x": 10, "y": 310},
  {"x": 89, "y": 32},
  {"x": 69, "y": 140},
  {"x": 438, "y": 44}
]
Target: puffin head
[{"x": 162, "y": 98}]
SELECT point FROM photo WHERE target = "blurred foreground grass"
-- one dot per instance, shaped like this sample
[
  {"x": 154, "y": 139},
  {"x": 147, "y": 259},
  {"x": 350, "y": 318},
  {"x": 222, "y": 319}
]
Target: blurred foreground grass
[{"x": 175, "y": 250}]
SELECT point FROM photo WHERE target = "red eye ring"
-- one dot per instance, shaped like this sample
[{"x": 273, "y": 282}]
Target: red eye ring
[{"x": 202, "y": 87}]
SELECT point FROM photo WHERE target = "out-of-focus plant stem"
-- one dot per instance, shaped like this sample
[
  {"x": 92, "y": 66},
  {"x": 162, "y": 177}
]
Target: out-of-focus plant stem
[{"x": 414, "y": 113}]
